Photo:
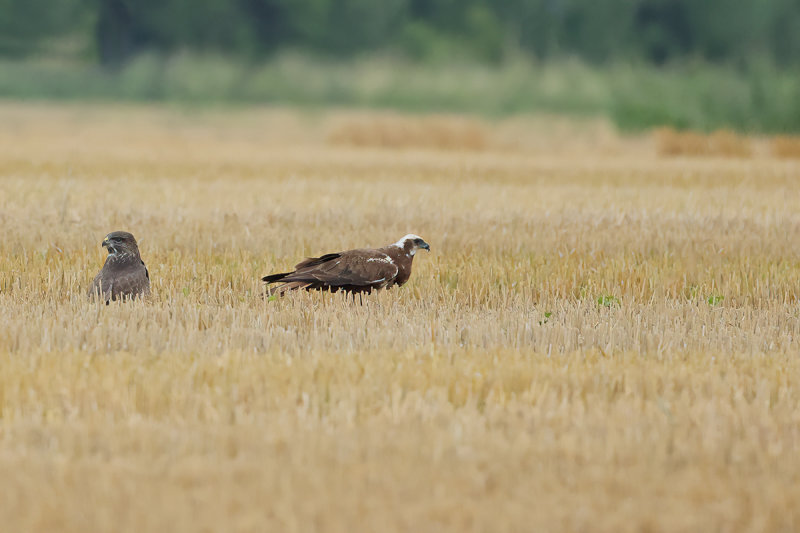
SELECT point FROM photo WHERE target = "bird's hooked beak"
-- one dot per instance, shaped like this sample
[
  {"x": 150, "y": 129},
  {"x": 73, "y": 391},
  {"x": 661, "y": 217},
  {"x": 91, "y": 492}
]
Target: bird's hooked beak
[
  {"x": 425, "y": 245},
  {"x": 107, "y": 245}
]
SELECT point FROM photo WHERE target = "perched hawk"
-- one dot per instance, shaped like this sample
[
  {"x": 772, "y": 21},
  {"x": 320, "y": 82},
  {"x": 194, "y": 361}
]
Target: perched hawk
[
  {"x": 123, "y": 276},
  {"x": 353, "y": 271}
]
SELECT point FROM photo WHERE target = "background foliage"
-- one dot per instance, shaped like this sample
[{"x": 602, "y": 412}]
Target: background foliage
[
  {"x": 716, "y": 63},
  {"x": 654, "y": 31}
]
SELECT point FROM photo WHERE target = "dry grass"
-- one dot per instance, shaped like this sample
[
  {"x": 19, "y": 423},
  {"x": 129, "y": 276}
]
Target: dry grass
[
  {"x": 397, "y": 131},
  {"x": 595, "y": 343},
  {"x": 786, "y": 146},
  {"x": 721, "y": 143}
]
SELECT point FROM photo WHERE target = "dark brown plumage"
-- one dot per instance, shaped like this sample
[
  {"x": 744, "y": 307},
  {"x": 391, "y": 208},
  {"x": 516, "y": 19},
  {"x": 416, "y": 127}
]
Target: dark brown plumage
[
  {"x": 124, "y": 275},
  {"x": 353, "y": 271}
]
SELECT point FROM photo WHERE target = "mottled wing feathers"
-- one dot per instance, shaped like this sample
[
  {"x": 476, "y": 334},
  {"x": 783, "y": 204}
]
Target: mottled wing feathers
[
  {"x": 121, "y": 280},
  {"x": 355, "y": 270},
  {"x": 304, "y": 266}
]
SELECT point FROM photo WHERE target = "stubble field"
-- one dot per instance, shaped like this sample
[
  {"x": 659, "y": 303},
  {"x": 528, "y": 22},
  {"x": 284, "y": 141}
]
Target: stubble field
[{"x": 601, "y": 339}]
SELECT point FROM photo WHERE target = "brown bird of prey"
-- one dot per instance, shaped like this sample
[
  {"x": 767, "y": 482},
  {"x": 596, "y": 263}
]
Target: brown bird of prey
[
  {"x": 123, "y": 276},
  {"x": 353, "y": 271}
]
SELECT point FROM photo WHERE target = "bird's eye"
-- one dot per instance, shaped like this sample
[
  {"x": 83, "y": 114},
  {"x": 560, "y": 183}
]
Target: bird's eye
[{"x": 417, "y": 241}]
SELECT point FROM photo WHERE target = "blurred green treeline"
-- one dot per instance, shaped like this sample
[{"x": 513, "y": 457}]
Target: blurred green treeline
[{"x": 690, "y": 63}]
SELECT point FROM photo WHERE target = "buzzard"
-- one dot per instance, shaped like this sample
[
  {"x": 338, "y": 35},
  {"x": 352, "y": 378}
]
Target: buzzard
[
  {"x": 123, "y": 276},
  {"x": 353, "y": 271}
]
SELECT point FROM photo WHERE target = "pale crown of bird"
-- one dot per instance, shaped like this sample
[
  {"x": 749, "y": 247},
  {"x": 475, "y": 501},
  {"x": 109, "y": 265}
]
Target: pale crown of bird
[{"x": 415, "y": 241}]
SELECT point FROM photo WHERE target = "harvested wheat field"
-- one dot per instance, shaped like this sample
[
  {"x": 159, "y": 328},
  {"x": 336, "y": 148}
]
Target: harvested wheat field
[{"x": 602, "y": 339}]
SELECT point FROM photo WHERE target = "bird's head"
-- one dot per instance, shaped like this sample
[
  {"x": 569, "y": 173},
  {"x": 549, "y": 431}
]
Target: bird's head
[
  {"x": 120, "y": 242},
  {"x": 411, "y": 243}
]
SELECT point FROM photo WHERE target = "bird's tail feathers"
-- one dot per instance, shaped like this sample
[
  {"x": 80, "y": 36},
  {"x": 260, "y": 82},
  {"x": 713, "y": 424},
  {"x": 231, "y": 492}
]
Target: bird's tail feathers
[{"x": 273, "y": 278}]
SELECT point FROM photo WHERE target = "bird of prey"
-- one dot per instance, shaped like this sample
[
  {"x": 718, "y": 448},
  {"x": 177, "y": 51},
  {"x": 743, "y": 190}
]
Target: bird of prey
[
  {"x": 353, "y": 271},
  {"x": 123, "y": 276}
]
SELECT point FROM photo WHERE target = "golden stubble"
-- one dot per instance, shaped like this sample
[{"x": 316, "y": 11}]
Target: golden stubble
[{"x": 599, "y": 340}]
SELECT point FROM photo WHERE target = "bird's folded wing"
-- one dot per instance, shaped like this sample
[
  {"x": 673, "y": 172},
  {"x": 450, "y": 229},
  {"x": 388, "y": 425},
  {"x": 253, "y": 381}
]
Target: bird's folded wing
[
  {"x": 132, "y": 282},
  {"x": 123, "y": 282},
  {"x": 360, "y": 268}
]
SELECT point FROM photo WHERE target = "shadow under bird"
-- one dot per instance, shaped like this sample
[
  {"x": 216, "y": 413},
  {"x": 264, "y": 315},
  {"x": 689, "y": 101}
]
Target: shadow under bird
[
  {"x": 124, "y": 275},
  {"x": 353, "y": 271}
]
